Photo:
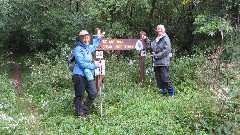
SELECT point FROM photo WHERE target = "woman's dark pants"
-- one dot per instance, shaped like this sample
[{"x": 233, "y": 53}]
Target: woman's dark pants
[{"x": 80, "y": 85}]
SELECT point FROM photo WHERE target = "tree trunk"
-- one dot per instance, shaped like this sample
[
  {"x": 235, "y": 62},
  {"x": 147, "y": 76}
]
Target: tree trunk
[
  {"x": 238, "y": 25},
  {"x": 190, "y": 20},
  {"x": 77, "y": 8},
  {"x": 153, "y": 4}
]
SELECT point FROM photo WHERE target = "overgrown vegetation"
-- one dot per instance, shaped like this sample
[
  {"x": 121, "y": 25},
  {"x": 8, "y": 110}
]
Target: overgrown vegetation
[
  {"x": 129, "y": 108},
  {"x": 205, "y": 70}
]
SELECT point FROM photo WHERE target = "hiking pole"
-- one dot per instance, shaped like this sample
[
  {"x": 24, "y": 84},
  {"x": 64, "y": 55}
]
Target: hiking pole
[
  {"x": 100, "y": 77},
  {"x": 148, "y": 42},
  {"x": 100, "y": 89},
  {"x": 101, "y": 99},
  {"x": 151, "y": 74}
]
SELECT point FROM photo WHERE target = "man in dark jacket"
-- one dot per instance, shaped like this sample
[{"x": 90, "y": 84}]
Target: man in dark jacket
[{"x": 161, "y": 54}]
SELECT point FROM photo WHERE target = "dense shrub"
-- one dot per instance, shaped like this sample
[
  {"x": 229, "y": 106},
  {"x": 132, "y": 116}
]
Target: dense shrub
[{"x": 184, "y": 72}]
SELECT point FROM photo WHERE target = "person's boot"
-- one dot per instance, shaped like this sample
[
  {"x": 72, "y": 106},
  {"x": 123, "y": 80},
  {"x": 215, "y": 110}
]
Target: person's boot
[
  {"x": 87, "y": 104},
  {"x": 164, "y": 91},
  {"x": 81, "y": 115},
  {"x": 78, "y": 107},
  {"x": 171, "y": 92}
]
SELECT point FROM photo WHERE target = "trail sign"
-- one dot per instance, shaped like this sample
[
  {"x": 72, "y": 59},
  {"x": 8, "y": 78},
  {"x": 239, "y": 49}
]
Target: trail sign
[
  {"x": 118, "y": 44},
  {"x": 107, "y": 44},
  {"x": 99, "y": 54}
]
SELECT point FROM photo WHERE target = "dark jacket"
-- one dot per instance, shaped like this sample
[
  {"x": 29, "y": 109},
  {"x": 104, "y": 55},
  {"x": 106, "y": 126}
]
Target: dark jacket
[{"x": 162, "y": 49}]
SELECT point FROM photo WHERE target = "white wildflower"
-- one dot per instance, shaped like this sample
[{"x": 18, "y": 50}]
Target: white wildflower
[
  {"x": 149, "y": 70},
  {"x": 44, "y": 103},
  {"x": 8, "y": 121},
  {"x": 26, "y": 119},
  {"x": 14, "y": 82},
  {"x": 33, "y": 74},
  {"x": 4, "y": 106},
  {"x": 226, "y": 90},
  {"x": 131, "y": 62}
]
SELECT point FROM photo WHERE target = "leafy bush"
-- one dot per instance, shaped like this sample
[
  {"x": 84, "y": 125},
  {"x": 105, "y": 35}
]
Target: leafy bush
[
  {"x": 184, "y": 72},
  {"x": 48, "y": 75}
]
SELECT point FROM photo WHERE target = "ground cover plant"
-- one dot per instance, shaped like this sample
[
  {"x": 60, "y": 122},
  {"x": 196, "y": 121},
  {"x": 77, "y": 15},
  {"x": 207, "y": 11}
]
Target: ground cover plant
[{"x": 46, "y": 107}]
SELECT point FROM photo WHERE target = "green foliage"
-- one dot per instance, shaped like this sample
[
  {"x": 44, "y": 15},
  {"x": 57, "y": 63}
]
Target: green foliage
[
  {"x": 8, "y": 98},
  {"x": 211, "y": 26},
  {"x": 32, "y": 25},
  {"x": 184, "y": 72},
  {"x": 54, "y": 71},
  {"x": 219, "y": 69},
  {"x": 128, "y": 107},
  {"x": 232, "y": 42},
  {"x": 35, "y": 25}
]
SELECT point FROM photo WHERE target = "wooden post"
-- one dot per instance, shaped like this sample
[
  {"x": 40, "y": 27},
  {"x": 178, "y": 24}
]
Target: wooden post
[
  {"x": 99, "y": 78},
  {"x": 142, "y": 58}
]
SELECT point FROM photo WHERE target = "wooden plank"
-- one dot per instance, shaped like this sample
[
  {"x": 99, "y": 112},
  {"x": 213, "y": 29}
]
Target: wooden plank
[{"x": 117, "y": 44}]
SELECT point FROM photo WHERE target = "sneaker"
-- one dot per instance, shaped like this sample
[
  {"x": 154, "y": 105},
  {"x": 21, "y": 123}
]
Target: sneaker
[
  {"x": 83, "y": 116},
  {"x": 164, "y": 91},
  {"x": 171, "y": 92}
]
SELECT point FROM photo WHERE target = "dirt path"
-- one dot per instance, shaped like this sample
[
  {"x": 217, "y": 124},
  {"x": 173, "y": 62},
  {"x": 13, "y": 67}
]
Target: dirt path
[
  {"x": 16, "y": 77},
  {"x": 27, "y": 108},
  {"x": 17, "y": 82}
]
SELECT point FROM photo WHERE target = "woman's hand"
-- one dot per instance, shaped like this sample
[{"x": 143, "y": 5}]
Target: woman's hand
[
  {"x": 153, "y": 53},
  {"x": 102, "y": 35},
  {"x": 100, "y": 64}
]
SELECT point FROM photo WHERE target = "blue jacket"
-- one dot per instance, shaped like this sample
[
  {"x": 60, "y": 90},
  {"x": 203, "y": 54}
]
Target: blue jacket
[{"x": 83, "y": 56}]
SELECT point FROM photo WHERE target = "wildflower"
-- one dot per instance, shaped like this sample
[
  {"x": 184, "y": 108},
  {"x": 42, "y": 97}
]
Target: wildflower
[
  {"x": 131, "y": 62},
  {"x": 9, "y": 121}
]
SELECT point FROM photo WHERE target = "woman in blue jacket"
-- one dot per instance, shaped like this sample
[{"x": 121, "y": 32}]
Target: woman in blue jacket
[{"x": 83, "y": 55}]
